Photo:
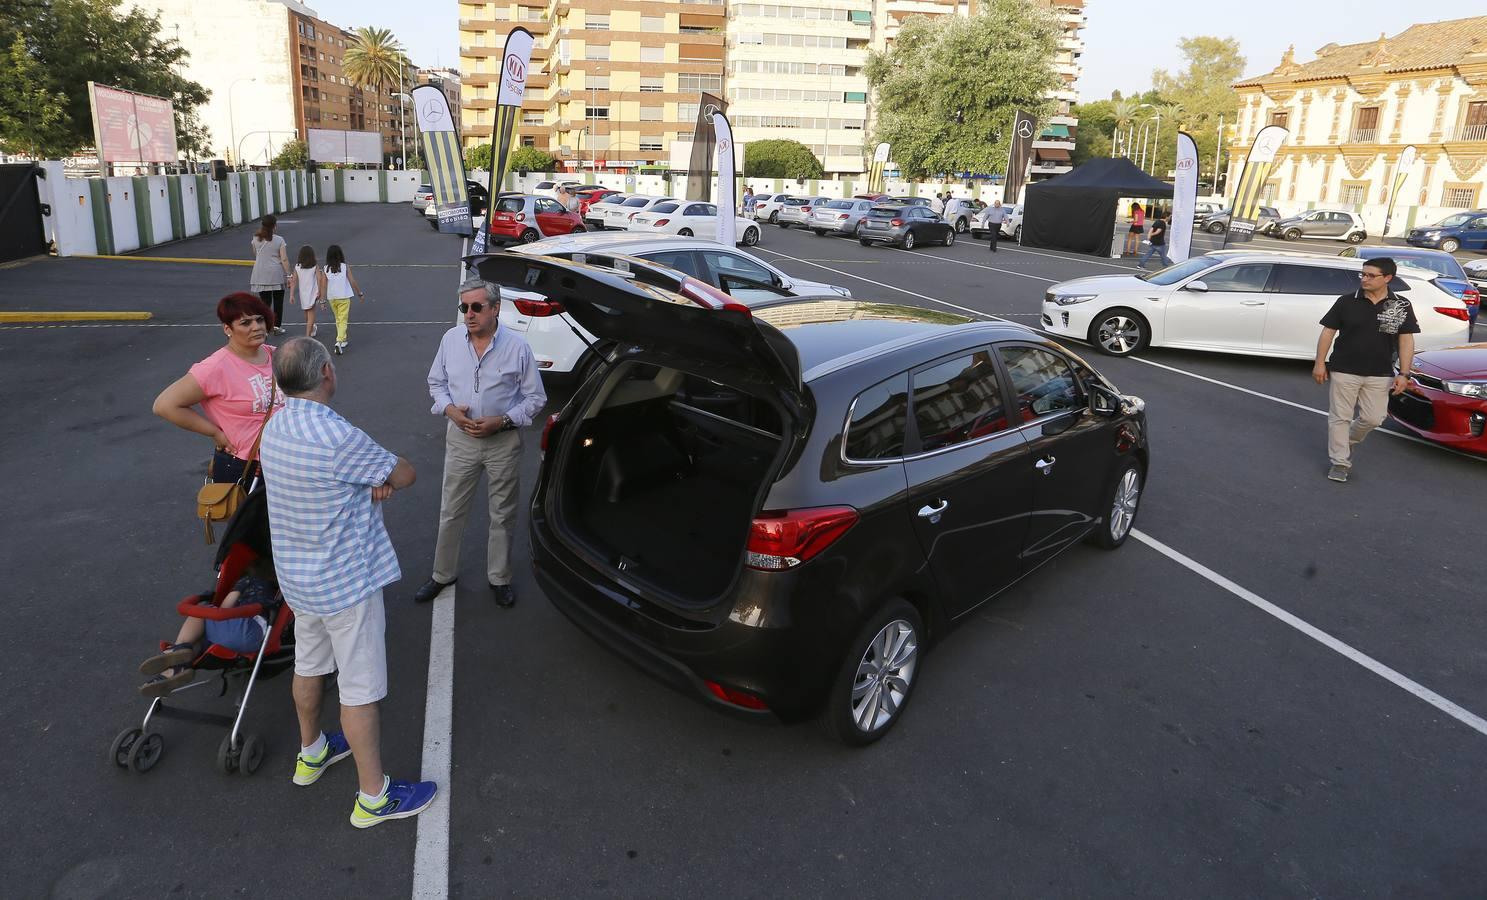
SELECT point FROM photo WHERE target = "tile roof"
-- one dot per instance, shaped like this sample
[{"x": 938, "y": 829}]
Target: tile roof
[{"x": 1429, "y": 45}]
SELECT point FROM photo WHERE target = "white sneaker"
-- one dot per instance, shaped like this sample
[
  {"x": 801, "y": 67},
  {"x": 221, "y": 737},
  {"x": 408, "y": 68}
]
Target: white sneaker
[{"x": 314, "y": 330}]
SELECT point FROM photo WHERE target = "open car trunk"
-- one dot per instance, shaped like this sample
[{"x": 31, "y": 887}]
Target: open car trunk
[{"x": 662, "y": 474}]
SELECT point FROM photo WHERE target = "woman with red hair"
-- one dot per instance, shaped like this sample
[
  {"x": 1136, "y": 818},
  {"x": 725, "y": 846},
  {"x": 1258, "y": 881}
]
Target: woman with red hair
[{"x": 234, "y": 387}]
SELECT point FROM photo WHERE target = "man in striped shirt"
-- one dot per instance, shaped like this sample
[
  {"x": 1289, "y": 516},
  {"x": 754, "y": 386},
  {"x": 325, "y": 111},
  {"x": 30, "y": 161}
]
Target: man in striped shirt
[{"x": 326, "y": 481}]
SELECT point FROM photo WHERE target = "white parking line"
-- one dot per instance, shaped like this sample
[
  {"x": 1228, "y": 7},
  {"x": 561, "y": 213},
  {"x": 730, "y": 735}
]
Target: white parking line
[
  {"x": 431, "y": 854},
  {"x": 1467, "y": 718},
  {"x": 964, "y": 309}
]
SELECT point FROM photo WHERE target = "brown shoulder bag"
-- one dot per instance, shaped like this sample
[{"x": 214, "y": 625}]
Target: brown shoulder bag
[{"x": 219, "y": 501}]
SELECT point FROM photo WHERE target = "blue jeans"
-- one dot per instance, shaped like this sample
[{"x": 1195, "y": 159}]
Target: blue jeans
[{"x": 1155, "y": 250}]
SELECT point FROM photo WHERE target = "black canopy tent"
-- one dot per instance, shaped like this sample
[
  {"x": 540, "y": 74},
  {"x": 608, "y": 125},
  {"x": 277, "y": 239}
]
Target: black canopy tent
[{"x": 1076, "y": 211}]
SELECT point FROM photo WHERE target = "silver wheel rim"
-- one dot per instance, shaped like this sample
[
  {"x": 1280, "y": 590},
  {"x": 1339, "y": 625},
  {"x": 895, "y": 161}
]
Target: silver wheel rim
[
  {"x": 909, "y": 241},
  {"x": 883, "y": 676},
  {"x": 1123, "y": 510},
  {"x": 1119, "y": 334},
  {"x": 950, "y": 239}
]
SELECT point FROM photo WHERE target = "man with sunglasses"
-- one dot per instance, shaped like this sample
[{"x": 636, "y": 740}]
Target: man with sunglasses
[
  {"x": 484, "y": 380},
  {"x": 1369, "y": 326}
]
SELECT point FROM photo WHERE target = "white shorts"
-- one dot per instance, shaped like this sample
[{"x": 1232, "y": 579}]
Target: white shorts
[{"x": 353, "y": 641}]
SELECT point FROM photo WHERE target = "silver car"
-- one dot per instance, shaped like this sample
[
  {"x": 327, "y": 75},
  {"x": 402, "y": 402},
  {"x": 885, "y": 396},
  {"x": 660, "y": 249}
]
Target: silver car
[
  {"x": 840, "y": 217},
  {"x": 798, "y": 210}
]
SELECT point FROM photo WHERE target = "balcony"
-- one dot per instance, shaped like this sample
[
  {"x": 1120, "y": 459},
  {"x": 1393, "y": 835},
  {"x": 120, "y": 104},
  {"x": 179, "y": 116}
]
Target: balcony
[
  {"x": 1363, "y": 135},
  {"x": 479, "y": 24},
  {"x": 1472, "y": 133}
]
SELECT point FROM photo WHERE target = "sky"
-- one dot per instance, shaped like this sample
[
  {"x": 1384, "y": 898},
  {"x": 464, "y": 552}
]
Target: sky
[
  {"x": 428, "y": 30},
  {"x": 1126, "y": 39}
]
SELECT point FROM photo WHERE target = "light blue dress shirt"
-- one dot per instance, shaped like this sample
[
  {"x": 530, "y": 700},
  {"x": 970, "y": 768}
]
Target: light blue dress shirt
[{"x": 502, "y": 381}]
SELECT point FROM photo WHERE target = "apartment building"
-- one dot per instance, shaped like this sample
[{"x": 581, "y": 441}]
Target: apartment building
[
  {"x": 483, "y": 29},
  {"x": 1053, "y": 148}
]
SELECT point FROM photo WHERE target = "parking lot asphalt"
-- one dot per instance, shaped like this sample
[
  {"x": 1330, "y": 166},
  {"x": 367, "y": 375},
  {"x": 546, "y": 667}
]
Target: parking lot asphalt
[{"x": 1118, "y": 723}]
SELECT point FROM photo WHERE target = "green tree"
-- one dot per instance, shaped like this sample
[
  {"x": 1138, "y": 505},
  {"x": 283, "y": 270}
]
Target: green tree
[
  {"x": 292, "y": 155},
  {"x": 780, "y": 159},
  {"x": 33, "y": 119},
  {"x": 478, "y": 157},
  {"x": 531, "y": 159},
  {"x": 1204, "y": 90},
  {"x": 948, "y": 88},
  {"x": 76, "y": 41},
  {"x": 372, "y": 62}
]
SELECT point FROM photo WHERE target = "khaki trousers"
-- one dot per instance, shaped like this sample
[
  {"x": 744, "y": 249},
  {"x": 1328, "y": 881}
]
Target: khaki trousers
[
  {"x": 1358, "y": 406},
  {"x": 464, "y": 458}
]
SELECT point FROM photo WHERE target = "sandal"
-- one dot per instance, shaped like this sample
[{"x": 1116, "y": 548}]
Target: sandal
[
  {"x": 162, "y": 685},
  {"x": 170, "y": 657}
]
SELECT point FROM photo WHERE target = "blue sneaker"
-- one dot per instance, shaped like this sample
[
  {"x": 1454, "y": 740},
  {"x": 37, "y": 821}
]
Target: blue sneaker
[
  {"x": 401, "y": 800},
  {"x": 308, "y": 771}
]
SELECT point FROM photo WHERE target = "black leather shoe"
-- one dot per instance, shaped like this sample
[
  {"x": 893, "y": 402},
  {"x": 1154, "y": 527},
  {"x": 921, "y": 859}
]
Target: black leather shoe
[
  {"x": 429, "y": 591},
  {"x": 505, "y": 595}
]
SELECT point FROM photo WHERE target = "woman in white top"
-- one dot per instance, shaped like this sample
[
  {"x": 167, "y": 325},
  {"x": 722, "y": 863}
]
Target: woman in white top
[
  {"x": 309, "y": 284},
  {"x": 270, "y": 269},
  {"x": 338, "y": 286}
]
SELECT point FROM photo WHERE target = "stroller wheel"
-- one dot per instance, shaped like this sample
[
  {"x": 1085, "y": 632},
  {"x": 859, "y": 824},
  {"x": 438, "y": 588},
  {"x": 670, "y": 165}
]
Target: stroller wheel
[
  {"x": 146, "y": 752},
  {"x": 251, "y": 755},
  {"x": 227, "y": 756},
  {"x": 118, "y": 751}
]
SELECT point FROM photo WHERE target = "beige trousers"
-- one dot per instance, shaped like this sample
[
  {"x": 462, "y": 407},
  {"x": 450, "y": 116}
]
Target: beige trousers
[
  {"x": 464, "y": 458},
  {"x": 1358, "y": 406}
]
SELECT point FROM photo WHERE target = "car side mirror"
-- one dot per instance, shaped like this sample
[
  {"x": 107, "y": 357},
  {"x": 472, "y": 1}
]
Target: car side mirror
[
  {"x": 1103, "y": 401},
  {"x": 1200, "y": 286}
]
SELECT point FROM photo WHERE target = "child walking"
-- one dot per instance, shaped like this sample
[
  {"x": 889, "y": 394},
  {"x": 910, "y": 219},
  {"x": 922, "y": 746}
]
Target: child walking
[
  {"x": 309, "y": 282},
  {"x": 339, "y": 285}
]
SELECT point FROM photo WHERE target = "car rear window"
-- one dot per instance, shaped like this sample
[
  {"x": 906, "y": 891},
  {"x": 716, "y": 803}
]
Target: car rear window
[
  {"x": 611, "y": 198},
  {"x": 840, "y": 204},
  {"x": 875, "y": 428},
  {"x": 665, "y": 207},
  {"x": 425, "y": 188},
  {"x": 637, "y": 201},
  {"x": 883, "y": 212},
  {"x": 510, "y": 204},
  {"x": 1440, "y": 265}
]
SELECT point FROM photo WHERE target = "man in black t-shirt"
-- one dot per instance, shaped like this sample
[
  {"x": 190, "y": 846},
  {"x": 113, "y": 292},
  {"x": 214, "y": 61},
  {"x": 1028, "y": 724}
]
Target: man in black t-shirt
[
  {"x": 1369, "y": 326},
  {"x": 1158, "y": 245}
]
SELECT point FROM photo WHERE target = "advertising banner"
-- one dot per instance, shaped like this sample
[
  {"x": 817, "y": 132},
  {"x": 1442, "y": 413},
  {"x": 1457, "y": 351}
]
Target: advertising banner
[
  {"x": 700, "y": 168},
  {"x": 1401, "y": 174},
  {"x": 1024, "y": 128},
  {"x": 727, "y": 189},
  {"x": 1257, "y": 167},
  {"x": 441, "y": 155},
  {"x": 1184, "y": 199},
  {"x": 875, "y": 181},
  {"x": 515, "y": 62},
  {"x": 132, "y": 128},
  {"x": 327, "y": 145}
]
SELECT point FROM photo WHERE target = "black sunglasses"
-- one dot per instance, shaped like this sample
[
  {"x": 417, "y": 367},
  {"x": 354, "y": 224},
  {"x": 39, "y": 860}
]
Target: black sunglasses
[{"x": 476, "y": 307}]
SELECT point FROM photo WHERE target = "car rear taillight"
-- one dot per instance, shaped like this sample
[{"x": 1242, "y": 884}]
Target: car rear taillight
[
  {"x": 1453, "y": 312},
  {"x": 896, "y": 222},
  {"x": 539, "y": 309},
  {"x": 841, "y": 215},
  {"x": 1471, "y": 296},
  {"x": 632, "y": 215},
  {"x": 659, "y": 222},
  {"x": 735, "y": 697},
  {"x": 547, "y": 429},
  {"x": 780, "y": 541}
]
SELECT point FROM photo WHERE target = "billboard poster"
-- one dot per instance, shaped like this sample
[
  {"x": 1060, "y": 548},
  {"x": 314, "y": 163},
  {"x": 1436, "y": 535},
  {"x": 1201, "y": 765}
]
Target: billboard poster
[
  {"x": 132, "y": 128},
  {"x": 442, "y": 158},
  {"x": 327, "y": 145},
  {"x": 1257, "y": 168},
  {"x": 1184, "y": 199}
]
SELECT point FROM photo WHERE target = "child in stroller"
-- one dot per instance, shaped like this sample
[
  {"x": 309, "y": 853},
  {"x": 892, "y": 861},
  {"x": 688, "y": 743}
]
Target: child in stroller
[{"x": 172, "y": 668}]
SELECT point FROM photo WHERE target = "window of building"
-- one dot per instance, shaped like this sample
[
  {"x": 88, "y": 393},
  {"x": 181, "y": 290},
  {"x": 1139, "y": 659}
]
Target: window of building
[
  {"x": 686, "y": 112},
  {"x": 854, "y": 97},
  {"x": 652, "y": 113},
  {"x": 1280, "y": 118},
  {"x": 1474, "y": 127},
  {"x": 596, "y": 22},
  {"x": 749, "y": 37},
  {"x": 862, "y": 17},
  {"x": 653, "y": 146},
  {"x": 598, "y": 142},
  {"x": 1456, "y": 197},
  {"x": 1365, "y": 125},
  {"x": 531, "y": 118},
  {"x": 501, "y": 14},
  {"x": 652, "y": 54},
  {"x": 597, "y": 82},
  {"x": 529, "y": 140},
  {"x": 596, "y": 51},
  {"x": 1354, "y": 193},
  {"x": 689, "y": 81},
  {"x": 652, "y": 84},
  {"x": 653, "y": 24},
  {"x": 596, "y": 112}
]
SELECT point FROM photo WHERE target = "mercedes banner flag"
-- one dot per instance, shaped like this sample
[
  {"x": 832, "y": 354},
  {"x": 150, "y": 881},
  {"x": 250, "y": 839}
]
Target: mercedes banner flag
[
  {"x": 441, "y": 156},
  {"x": 876, "y": 184},
  {"x": 515, "y": 60},
  {"x": 700, "y": 166},
  {"x": 727, "y": 189},
  {"x": 1245, "y": 211},
  {"x": 1024, "y": 127},
  {"x": 1184, "y": 199},
  {"x": 1401, "y": 173}
]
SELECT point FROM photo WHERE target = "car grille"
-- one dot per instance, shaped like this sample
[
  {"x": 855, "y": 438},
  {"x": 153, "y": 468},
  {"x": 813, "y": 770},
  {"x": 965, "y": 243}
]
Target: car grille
[
  {"x": 1429, "y": 381},
  {"x": 1413, "y": 410}
]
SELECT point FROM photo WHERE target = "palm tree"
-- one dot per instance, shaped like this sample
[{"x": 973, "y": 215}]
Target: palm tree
[
  {"x": 1124, "y": 110},
  {"x": 372, "y": 62}
]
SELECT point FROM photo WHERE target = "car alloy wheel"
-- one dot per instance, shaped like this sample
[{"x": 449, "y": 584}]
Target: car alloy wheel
[
  {"x": 950, "y": 238},
  {"x": 750, "y": 237},
  {"x": 1125, "y": 498},
  {"x": 961, "y": 226},
  {"x": 1118, "y": 332},
  {"x": 1356, "y": 237},
  {"x": 1291, "y": 234},
  {"x": 909, "y": 240},
  {"x": 1450, "y": 245},
  {"x": 877, "y": 676},
  {"x": 1017, "y": 235},
  {"x": 1216, "y": 228},
  {"x": 530, "y": 236},
  {"x": 685, "y": 232},
  {"x": 774, "y": 218}
]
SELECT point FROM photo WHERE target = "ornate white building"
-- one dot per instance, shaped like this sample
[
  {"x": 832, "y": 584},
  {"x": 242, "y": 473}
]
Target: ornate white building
[{"x": 1353, "y": 110}]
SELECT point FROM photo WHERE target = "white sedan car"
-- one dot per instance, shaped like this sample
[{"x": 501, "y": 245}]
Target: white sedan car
[
  {"x": 1011, "y": 225},
  {"x": 617, "y": 215},
  {"x": 555, "y": 338},
  {"x": 690, "y": 219},
  {"x": 1258, "y": 303}
]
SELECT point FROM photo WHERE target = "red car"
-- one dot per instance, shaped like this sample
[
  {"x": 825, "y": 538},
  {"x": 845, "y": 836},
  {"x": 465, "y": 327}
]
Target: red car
[
  {"x": 587, "y": 197},
  {"x": 1447, "y": 398},
  {"x": 528, "y": 217}
]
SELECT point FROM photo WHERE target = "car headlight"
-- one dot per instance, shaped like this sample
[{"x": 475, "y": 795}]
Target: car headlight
[
  {"x": 1468, "y": 388},
  {"x": 1071, "y": 299},
  {"x": 1432, "y": 234}
]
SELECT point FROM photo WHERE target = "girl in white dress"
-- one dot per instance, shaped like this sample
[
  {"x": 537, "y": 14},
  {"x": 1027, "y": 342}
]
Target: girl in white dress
[{"x": 309, "y": 284}]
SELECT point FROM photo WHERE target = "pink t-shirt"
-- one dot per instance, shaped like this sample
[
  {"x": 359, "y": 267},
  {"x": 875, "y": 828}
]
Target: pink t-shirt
[
  {"x": 1139, "y": 217},
  {"x": 237, "y": 396}
]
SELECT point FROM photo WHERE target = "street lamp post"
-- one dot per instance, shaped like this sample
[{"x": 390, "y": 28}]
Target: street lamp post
[{"x": 231, "y": 121}]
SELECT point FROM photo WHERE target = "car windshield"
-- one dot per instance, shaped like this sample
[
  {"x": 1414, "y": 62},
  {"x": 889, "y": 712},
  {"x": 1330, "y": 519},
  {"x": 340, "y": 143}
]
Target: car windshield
[
  {"x": 664, "y": 207},
  {"x": 840, "y": 204},
  {"x": 425, "y": 188},
  {"x": 1455, "y": 221},
  {"x": 637, "y": 201},
  {"x": 1174, "y": 274}
]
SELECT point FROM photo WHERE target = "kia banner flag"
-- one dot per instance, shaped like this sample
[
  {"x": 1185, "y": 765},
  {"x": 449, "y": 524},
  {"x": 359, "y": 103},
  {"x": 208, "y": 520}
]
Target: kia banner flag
[
  {"x": 875, "y": 180},
  {"x": 1024, "y": 128},
  {"x": 1245, "y": 208},
  {"x": 1401, "y": 174},
  {"x": 514, "y": 63},
  {"x": 727, "y": 190},
  {"x": 441, "y": 156},
  {"x": 700, "y": 166},
  {"x": 1184, "y": 199}
]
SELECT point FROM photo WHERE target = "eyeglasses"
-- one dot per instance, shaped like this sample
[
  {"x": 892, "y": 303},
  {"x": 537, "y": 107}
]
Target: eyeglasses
[
  {"x": 1370, "y": 275},
  {"x": 476, "y": 307}
]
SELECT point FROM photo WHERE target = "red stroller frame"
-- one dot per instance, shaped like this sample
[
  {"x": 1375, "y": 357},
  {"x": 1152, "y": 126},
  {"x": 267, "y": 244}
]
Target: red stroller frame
[{"x": 139, "y": 749}]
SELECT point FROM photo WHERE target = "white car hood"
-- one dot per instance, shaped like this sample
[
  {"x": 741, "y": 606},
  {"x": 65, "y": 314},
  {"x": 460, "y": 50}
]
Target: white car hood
[
  {"x": 802, "y": 288},
  {"x": 1102, "y": 284}
]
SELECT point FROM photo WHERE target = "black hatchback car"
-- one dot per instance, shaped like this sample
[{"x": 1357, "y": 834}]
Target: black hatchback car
[{"x": 778, "y": 508}]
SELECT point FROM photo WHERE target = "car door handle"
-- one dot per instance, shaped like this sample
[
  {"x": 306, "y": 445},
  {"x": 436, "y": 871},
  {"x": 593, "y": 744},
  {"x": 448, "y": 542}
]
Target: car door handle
[
  {"x": 1155, "y": 299},
  {"x": 1045, "y": 465},
  {"x": 930, "y": 512},
  {"x": 1252, "y": 303}
]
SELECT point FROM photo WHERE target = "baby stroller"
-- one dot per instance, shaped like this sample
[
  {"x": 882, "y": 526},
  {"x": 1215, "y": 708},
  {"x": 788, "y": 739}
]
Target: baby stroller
[{"x": 247, "y": 539}]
